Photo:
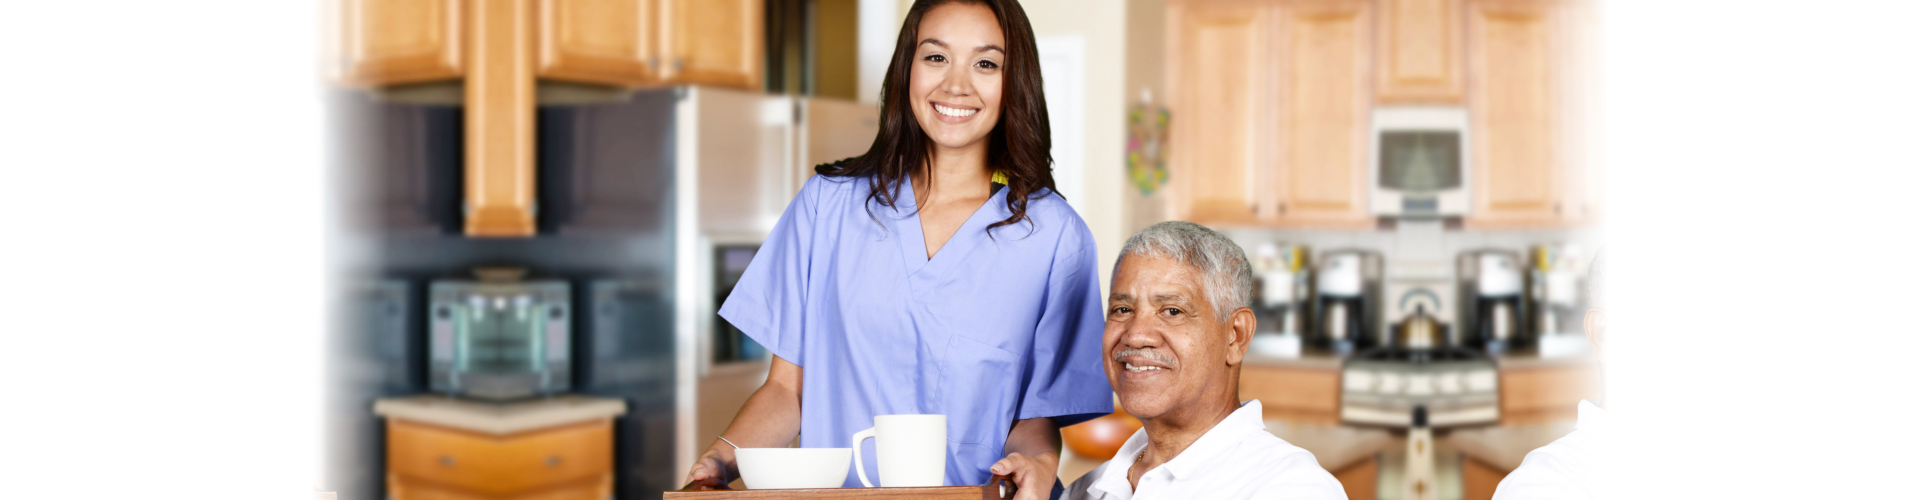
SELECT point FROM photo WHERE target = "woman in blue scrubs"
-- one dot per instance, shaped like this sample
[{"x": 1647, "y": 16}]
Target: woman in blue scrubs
[{"x": 939, "y": 273}]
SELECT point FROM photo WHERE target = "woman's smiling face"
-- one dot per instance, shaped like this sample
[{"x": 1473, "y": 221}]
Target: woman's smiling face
[{"x": 957, "y": 74}]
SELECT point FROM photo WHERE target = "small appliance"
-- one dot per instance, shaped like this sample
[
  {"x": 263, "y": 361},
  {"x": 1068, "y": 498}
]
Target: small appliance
[
  {"x": 499, "y": 337},
  {"x": 1421, "y": 303},
  {"x": 1492, "y": 306},
  {"x": 1281, "y": 286},
  {"x": 1419, "y": 159},
  {"x": 1347, "y": 297},
  {"x": 1554, "y": 295},
  {"x": 1554, "y": 286}
]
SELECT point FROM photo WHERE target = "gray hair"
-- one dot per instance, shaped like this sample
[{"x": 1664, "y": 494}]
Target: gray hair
[{"x": 1228, "y": 278}]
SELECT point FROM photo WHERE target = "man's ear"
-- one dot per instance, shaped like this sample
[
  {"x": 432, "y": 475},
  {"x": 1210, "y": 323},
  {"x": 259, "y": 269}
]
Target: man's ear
[
  {"x": 1243, "y": 322},
  {"x": 1596, "y": 327}
]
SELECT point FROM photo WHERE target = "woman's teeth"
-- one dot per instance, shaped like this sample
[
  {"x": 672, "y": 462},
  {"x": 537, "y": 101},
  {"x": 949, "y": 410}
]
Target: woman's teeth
[
  {"x": 958, "y": 113},
  {"x": 1132, "y": 368}
]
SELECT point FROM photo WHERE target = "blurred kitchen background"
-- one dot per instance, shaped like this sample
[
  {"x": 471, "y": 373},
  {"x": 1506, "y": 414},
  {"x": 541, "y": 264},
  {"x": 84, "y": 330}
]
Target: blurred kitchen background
[{"x": 543, "y": 202}]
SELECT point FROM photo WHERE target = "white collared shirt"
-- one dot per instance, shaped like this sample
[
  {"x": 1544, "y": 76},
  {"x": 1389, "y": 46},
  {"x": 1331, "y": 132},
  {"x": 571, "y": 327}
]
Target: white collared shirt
[
  {"x": 1575, "y": 466},
  {"x": 1237, "y": 458}
]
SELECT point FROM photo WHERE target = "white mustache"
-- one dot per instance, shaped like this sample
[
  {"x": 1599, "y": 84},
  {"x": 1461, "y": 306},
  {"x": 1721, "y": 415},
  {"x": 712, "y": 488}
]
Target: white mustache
[{"x": 1149, "y": 353}]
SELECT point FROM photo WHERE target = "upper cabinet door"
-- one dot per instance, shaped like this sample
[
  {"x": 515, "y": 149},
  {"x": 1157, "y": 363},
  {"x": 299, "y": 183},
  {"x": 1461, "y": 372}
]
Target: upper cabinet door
[
  {"x": 1420, "y": 53},
  {"x": 611, "y": 42},
  {"x": 1514, "y": 98},
  {"x": 713, "y": 42},
  {"x": 1214, "y": 121},
  {"x": 386, "y": 42},
  {"x": 1325, "y": 51},
  {"x": 499, "y": 116}
]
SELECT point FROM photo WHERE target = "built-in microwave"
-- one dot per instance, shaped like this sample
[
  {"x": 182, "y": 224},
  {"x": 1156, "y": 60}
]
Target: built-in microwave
[
  {"x": 499, "y": 338},
  {"x": 1419, "y": 161}
]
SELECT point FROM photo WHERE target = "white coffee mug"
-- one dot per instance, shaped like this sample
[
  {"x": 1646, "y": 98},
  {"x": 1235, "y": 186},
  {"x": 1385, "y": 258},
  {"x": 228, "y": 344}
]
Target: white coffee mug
[{"x": 912, "y": 450}]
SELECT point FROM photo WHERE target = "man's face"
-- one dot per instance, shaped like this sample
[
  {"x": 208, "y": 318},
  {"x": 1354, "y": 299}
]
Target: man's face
[{"x": 1165, "y": 348}]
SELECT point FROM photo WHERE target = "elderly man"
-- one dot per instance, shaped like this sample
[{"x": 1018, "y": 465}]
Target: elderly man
[{"x": 1178, "y": 324}]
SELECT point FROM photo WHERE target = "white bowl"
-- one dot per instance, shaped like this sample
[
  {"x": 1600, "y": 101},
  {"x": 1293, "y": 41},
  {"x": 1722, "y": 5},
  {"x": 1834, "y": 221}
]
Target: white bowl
[{"x": 782, "y": 468}]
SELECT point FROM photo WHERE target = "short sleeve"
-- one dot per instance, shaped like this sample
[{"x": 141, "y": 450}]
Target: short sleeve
[
  {"x": 769, "y": 301},
  {"x": 1067, "y": 380}
]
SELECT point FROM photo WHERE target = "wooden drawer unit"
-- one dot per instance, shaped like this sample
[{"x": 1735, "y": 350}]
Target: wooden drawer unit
[
  {"x": 1303, "y": 394},
  {"x": 1546, "y": 393},
  {"x": 428, "y": 461}
]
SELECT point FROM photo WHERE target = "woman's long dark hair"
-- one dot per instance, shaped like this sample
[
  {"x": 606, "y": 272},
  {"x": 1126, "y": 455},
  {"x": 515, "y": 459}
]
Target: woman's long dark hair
[{"x": 1018, "y": 147}]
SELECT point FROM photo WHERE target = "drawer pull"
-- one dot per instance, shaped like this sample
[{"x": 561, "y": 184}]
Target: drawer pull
[
  {"x": 446, "y": 460},
  {"x": 553, "y": 461}
]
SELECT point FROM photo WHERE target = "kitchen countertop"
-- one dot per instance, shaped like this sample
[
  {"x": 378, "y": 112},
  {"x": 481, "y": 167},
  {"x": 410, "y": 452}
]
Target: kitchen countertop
[
  {"x": 499, "y": 418},
  {"x": 1530, "y": 358},
  {"x": 1309, "y": 358}
]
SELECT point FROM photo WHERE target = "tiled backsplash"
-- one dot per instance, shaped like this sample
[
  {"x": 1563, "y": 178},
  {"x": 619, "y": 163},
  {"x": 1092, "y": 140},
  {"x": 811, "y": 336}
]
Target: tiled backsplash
[{"x": 1410, "y": 242}]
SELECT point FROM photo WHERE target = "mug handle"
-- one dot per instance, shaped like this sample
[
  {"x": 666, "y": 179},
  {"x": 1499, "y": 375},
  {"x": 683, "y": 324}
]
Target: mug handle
[{"x": 858, "y": 465}]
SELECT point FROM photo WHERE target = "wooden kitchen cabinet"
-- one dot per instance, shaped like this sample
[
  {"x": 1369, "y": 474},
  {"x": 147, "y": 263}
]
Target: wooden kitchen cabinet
[
  {"x": 1297, "y": 393},
  {"x": 426, "y": 461},
  {"x": 1326, "y": 55},
  {"x": 503, "y": 48},
  {"x": 390, "y": 42},
  {"x": 1519, "y": 58},
  {"x": 1216, "y": 53},
  {"x": 1270, "y": 104},
  {"x": 713, "y": 42},
  {"x": 1479, "y": 480},
  {"x": 1361, "y": 481},
  {"x": 1421, "y": 52},
  {"x": 1548, "y": 392},
  {"x": 500, "y": 119},
  {"x": 609, "y": 42}
]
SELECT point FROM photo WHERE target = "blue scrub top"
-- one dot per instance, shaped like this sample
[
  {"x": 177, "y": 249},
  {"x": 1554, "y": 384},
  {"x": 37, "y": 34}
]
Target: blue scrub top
[{"x": 989, "y": 331}]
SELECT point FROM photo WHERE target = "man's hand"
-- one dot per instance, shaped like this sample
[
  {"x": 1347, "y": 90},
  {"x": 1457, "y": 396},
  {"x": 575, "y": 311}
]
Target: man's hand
[
  {"x": 709, "y": 473},
  {"x": 1033, "y": 474}
]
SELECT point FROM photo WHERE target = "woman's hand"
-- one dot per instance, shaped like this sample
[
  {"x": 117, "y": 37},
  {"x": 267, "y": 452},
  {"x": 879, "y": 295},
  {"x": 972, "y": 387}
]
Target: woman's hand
[
  {"x": 710, "y": 472},
  {"x": 770, "y": 418},
  {"x": 1033, "y": 474}
]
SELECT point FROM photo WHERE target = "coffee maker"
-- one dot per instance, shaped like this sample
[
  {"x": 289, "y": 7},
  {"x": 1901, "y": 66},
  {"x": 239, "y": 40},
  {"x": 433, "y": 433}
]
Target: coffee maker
[
  {"x": 1281, "y": 278},
  {"x": 1493, "y": 307},
  {"x": 1281, "y": 286},
  {"x": 1347, "y": 301},
  {"x": 1554, "y": 296},
  {"x": 1554, "y": 289}
]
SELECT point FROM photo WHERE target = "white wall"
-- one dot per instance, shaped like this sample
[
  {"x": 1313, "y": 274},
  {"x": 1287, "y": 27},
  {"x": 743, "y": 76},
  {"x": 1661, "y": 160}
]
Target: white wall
[{"x": 1099, "y": 26}]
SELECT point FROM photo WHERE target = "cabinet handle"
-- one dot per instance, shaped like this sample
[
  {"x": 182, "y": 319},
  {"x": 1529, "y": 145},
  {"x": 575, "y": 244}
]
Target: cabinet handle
[
  {"x": 1558, "y": 208},
  {"x": 678, "y": 63},
  {"x": 553, "y": 461},
  {"x": 1282, "y": 207},
  {"x": 446, "y": 460}
]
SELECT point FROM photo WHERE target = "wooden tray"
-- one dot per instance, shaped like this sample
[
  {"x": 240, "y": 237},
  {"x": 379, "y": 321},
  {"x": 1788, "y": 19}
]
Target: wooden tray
[{"x": 989, "y": 491}]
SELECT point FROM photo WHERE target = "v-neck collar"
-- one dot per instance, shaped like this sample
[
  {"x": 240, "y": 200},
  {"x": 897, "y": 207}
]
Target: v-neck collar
[{"x": 913, "y": 241}]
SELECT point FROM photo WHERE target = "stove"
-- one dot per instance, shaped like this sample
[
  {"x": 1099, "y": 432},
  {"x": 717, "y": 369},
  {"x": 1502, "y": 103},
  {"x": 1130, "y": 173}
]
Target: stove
[{"x": 1381, "y": 387}]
